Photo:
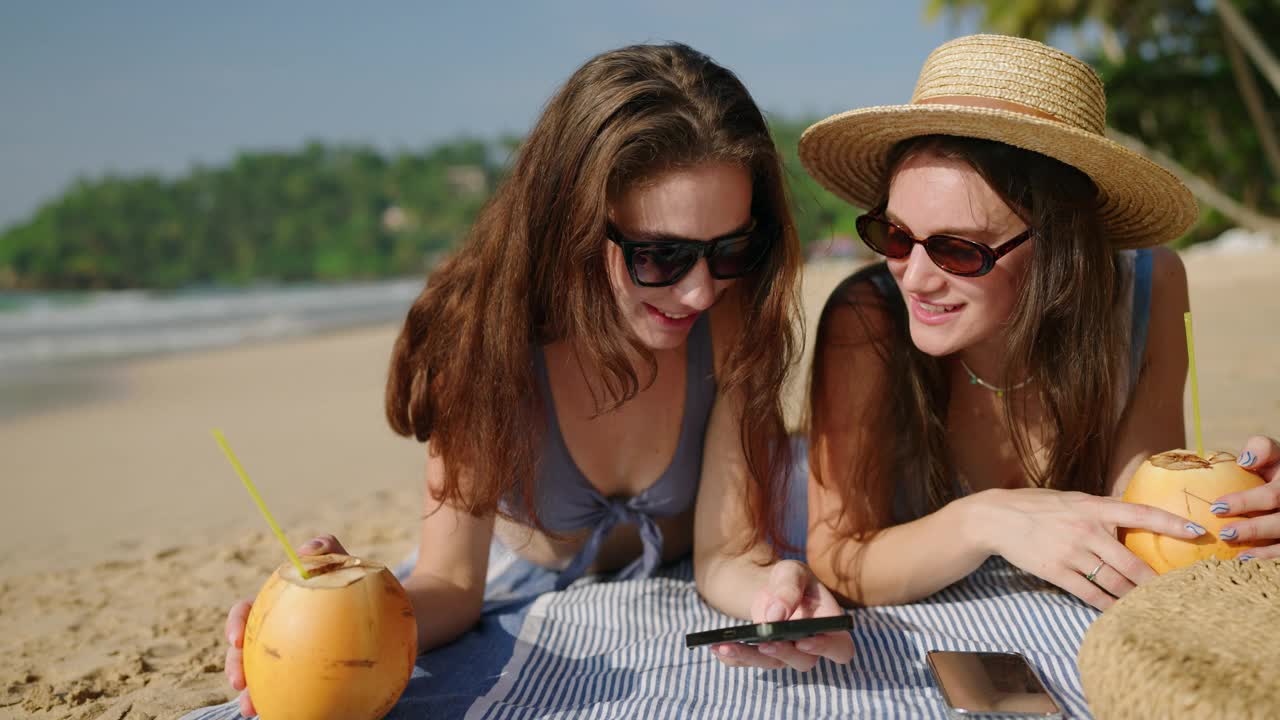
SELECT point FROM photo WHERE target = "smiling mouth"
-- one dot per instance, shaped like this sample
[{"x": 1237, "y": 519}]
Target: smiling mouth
[
  {"x": 671, "y": 319},
  {"x": 936, "y": 308}
]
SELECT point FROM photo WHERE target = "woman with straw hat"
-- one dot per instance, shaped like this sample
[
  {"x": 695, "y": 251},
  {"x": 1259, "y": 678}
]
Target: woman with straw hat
[{"x": 988, "y": 389}]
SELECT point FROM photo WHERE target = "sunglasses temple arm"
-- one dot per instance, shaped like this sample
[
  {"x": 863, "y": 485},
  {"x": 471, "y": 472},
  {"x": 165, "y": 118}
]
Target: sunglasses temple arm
[{"x": 1010, "y": 246}]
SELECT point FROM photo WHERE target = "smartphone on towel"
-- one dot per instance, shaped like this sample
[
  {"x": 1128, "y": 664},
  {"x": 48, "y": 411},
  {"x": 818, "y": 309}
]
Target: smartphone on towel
[
  {"x": 981, "y": 685},
  {"x": 770, "y": 632}
]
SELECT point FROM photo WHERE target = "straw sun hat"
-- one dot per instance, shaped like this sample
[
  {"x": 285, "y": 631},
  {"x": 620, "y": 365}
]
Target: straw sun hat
[
  {"x": 1199, "y": 642},
  {"x": 1018, "y": 92}
]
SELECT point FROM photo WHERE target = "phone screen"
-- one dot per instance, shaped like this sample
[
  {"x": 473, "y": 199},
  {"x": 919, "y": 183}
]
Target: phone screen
[{"x": 991, "y": 683}]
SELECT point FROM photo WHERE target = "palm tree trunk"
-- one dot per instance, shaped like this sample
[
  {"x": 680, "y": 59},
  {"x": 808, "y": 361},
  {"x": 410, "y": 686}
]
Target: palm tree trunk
[
  {"x": 1203, "y": 189},
  {"x": 1253, "y": 102},
  {"x": 1240, "y": 29}
]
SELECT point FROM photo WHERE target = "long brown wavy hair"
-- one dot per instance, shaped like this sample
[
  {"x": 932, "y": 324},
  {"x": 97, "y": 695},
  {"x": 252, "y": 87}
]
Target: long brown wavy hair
[
  {"x": 1065, "y": 334},
  {"x": 532, "y": 271}
]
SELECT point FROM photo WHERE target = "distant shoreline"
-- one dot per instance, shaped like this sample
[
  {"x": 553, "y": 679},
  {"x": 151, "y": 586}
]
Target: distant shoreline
[
  {"x": 41, "y": 331},
  {"x": 33, "y": 389},
  {"x": 62, "y": 350}
]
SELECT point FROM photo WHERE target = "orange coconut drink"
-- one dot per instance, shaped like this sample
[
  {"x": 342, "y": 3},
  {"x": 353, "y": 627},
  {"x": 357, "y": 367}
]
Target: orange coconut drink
[
  {"x": 1186, "y": 483},
  {"x": 338, "y": 644},
  {"x": 330, "y": 637}
]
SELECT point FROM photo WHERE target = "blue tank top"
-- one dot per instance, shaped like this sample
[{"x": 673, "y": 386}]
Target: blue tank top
[{"x": 567, "y": 501}]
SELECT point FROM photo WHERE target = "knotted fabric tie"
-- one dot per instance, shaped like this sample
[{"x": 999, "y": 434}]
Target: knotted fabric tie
[{"x": 617, "y": 511}]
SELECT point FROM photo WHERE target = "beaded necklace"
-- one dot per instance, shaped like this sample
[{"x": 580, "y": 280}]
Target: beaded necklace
[{"x": 999, "y": 391}]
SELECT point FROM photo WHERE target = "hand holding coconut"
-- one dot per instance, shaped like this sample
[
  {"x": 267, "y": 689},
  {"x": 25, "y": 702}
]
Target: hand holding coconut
[
  {"x": 1069, "y": 538},
  {"x": 1208, "y": 486},
  {"x": 238, "y": 616},
  {"x": 1260, "y": 456},
  {"x": 1187, "y": 482},
  {"x": 331, "y": 637},
  {"x": 338, "y": 643}
]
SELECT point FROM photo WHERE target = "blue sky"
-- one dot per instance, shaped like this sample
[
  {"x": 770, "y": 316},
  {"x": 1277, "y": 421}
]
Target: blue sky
[{"x": 91, "y": 88}]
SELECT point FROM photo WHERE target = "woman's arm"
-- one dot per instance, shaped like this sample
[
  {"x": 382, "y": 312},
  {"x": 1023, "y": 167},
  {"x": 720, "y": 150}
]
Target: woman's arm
[
  {"x": 733, "y": 574},
  {"x": 1153, "y": 422},
  {"x": 901, "y": 563},
  {"x": 447, "y": 584},
  {"x": 1058, "y": 536},
  {"x": 746, "y": 580},
  {"x": 727, "y": 567}
]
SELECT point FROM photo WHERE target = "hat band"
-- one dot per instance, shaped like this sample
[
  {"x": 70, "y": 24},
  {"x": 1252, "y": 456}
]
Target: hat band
[{"x": 989, "y": 103}]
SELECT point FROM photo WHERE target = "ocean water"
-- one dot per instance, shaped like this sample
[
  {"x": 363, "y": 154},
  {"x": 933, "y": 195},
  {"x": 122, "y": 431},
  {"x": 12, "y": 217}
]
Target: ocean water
[
  {"x": 42, "y": 328},
  {"x": 57, "y": 348}
]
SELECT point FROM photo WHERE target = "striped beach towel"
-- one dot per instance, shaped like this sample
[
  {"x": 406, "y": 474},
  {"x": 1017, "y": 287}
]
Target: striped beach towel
[{"x": 604, "y": 649}]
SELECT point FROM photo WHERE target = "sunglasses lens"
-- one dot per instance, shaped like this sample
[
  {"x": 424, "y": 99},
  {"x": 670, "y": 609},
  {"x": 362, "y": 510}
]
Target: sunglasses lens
[
  {"x": 661, "y": 265},
  {"x": 956, "y": 256},
  {"x": 737, "y": 257},
  {"x": 884, "y": 238}
]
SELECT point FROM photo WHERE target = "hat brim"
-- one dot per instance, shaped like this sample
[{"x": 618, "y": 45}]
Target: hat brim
[{"x": 1141, "y": 203}]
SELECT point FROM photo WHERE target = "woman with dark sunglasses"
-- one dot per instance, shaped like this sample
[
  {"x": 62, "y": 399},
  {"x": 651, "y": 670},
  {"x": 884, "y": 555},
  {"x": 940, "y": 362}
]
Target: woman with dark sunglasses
[
  {"x": 622, "y": 308},
  {"x": 990, "y": 387}
]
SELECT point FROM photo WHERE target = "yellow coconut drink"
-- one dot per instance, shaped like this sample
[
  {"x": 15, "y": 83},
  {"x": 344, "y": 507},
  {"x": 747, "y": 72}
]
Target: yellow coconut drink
[
  {"x": 1186, "y": 484},
  {"x": 338, "y": 645}
]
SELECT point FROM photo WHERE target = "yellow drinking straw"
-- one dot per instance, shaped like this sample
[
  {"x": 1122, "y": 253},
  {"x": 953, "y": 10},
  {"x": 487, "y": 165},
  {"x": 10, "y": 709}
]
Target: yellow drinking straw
[
  {"x": 1195, "y": 387},
  {"x": 253, "y": 492}
]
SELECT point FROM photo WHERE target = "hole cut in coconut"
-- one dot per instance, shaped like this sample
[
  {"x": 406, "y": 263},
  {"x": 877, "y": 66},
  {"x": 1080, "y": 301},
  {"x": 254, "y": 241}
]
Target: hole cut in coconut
[
  {"x": 330, "y": 571},
  {"x": 1184, "y": 460}
]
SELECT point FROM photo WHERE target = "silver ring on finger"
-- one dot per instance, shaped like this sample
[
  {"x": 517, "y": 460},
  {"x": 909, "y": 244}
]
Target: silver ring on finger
[{"x": 1094, "y": 574}]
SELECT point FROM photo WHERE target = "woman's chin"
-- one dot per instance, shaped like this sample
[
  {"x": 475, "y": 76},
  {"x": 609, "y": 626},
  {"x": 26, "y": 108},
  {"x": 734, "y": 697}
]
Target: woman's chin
[
  {"x": 930, "y": 341},
  {"x": 658, "y": 339}
]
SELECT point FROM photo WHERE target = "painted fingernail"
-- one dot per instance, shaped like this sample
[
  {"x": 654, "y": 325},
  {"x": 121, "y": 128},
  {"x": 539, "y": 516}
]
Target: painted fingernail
[
  {"x": 1196, "y": 528},
  {"x": 776, "y": 612},
  {"x": 1247, "y": 459},
  {"x": 1228, "y": 534},
  {"x": 1219, "y": 508},
  {"x": 1246, "y": 557}
]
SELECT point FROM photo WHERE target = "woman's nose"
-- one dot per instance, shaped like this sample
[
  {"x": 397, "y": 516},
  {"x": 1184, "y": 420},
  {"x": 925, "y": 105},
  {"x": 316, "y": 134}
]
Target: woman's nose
[
  {"x": 697, "y": 289},
  {"x": 920, "y": 275}
]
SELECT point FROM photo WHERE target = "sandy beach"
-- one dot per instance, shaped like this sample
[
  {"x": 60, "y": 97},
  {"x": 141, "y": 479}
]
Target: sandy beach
[{"x": 126, "y": 535}]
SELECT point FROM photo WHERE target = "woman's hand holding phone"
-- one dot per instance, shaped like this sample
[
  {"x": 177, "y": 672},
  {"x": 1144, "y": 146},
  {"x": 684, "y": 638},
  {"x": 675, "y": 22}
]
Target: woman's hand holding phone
[{"x": 792, "y": 593}]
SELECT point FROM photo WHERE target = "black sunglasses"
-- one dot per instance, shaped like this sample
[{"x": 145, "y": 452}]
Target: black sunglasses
[
  {"x": 957, "y": 256},
  {"x": 659, "y": 263}
]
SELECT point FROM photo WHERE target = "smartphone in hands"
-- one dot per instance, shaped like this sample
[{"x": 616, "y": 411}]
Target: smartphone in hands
[
  {"x": 770, "y": 632},
  {"x": 981, "y": 685}
]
